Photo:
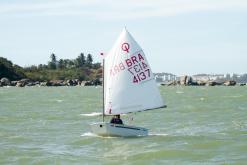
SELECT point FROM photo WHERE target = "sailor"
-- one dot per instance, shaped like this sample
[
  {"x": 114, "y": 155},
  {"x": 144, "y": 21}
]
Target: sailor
[{"x": 116, "y": 120}]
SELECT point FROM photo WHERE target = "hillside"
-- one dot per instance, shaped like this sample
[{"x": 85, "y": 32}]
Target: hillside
[
  {"x": 10, "y": 71},
  {"x": 81, "y": 68}
]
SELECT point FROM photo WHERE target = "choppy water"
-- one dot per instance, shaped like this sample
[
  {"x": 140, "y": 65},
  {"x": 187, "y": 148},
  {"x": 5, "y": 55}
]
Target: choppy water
[{"x": 202, "y": 125}]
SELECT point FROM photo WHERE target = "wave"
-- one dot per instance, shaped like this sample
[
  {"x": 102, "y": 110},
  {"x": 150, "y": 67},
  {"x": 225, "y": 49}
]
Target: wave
[
  {"x": 91, "y": 114},
  {"x": 233, "y": 96}
]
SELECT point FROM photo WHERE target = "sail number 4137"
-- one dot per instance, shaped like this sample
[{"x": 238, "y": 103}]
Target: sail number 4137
[{"x": 141, "y": 76}]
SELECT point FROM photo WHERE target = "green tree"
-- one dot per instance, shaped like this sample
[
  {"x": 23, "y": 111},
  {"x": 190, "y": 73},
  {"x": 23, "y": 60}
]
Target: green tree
[
  {"x": 53, "y": 63},
  {"x": 89, "y": 60},
  {"x": 61, "y": 64},
  {"x": 80, "y": 61},
  {"x": 96, "y": 65},
  {"x": 53, "y": 58}
]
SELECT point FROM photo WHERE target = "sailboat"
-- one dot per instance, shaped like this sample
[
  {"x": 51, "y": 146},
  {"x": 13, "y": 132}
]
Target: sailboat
[{"x": 128, "y": 86}]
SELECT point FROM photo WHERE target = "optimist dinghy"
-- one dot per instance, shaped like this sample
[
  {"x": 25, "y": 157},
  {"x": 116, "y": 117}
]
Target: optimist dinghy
[{"x": 128, "y": 86}]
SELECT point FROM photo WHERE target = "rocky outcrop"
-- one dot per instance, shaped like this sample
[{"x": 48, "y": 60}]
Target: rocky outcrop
[
  {"x": 4, "y": 81},
  {"x": 210, "y": 83},
  {"x": 201, "y": 83},
  {"x": 56, "y": 83},
  {"x": 89, "y": 83},
  {"x": 28, "y": 82},
  {"x": 230, "y": 83},
  {"x": 24, "y": 82},
  {"x": 187, "y": 81},
  {"x": 13, "y": 83},
  {"x": 242, "y": 84},
  {"x": 170, "y": 83}
]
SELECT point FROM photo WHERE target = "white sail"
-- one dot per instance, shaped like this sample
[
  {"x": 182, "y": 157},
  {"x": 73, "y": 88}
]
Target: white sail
[{"x": 129, "y": 83}]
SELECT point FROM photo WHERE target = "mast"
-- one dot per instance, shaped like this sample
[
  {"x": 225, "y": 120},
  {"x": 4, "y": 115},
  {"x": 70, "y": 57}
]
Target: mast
[{"x": 103, "y": 85}]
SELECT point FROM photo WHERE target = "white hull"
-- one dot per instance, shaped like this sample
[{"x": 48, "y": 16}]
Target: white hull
[{"x": 109, "y": 129}]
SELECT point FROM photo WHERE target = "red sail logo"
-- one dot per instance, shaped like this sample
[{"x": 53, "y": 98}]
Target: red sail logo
[{"x": 125, "y": 47}]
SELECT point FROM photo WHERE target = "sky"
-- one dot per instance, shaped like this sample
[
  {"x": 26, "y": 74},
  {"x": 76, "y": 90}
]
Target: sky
[{"x": 177, "y": 36}]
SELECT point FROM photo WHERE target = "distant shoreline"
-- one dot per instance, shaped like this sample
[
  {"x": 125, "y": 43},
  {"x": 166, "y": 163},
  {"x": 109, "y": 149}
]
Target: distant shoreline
[
  {"x": 186, "y": 81},
  {"x": 51, "y": 83}
]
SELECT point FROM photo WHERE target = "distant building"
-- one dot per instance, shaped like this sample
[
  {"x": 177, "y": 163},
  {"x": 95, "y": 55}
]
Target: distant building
[
  {"x": 164, "y": 77},
  {"x": 167, "y": 77},
  {"x": 207, "y": 77}
]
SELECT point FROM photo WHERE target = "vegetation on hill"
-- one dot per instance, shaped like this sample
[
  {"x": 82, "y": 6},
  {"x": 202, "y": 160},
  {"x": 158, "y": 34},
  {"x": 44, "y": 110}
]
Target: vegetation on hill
[
  {"x": 81, "y": 68},
  {"x": 10, "y": 71}
]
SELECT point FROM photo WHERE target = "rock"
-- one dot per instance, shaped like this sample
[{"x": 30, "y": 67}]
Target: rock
[
  {"x": 219, "y": 83},
  {"x": 20, "y": 84},
  {"x": 24, "y": 82},
  {"x": 89, "y": 83},
  {"x": 210, "y": 83},
  {"x": 83, "y": 83},
  {"x": 4, "y": 81},
  {"x": 97, "y": 82},
  {"x": 43, "y": 83},
  {"x": 13, "y": 83},
  {"x": 79, "y": 83},
  {"x": 57, "y": 83},
  {"x": 201, "y": 83},
  {"x": 29, "y": 84},
  {"x": 69, "y": 82},
  {"x": 76, "y": 82},
  {"x": 36, "y": 83},
  {"x": 48, "y": 84},
  {"x": 170, "y": 83},
  {"x": 230, "y": 83},
  {"x": 73, "y": 82},
  {"x": 183, "y": 80},
  {"x": 187, "y": 80}
]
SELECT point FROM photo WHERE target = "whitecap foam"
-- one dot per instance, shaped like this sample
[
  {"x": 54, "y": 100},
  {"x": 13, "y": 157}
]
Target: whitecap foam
[
  {"x": 91, "y": 114},
  {"x": 202, "y": 99}
]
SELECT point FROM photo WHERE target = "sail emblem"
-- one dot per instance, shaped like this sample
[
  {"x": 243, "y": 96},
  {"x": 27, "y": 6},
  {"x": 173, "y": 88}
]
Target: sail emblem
[{"x": 126, "y": 47}]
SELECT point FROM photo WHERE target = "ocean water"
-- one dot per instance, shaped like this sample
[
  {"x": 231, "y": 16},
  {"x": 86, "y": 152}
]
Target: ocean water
[{"x": 50, "y": 125}]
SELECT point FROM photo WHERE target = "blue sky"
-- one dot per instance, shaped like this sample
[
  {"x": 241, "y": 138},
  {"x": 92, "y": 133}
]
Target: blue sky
[{"x": 177, "y": 36}]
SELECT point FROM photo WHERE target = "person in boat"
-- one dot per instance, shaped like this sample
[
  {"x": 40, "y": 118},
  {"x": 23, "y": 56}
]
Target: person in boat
[{"x": 116, "y": 120}]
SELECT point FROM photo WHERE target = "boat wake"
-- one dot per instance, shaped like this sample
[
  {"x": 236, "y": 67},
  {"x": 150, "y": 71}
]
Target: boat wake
[
  {"x": 157, "y": 134},
  {"x": 91, "y": 114},
  {"x": 90, "y": 134}
]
